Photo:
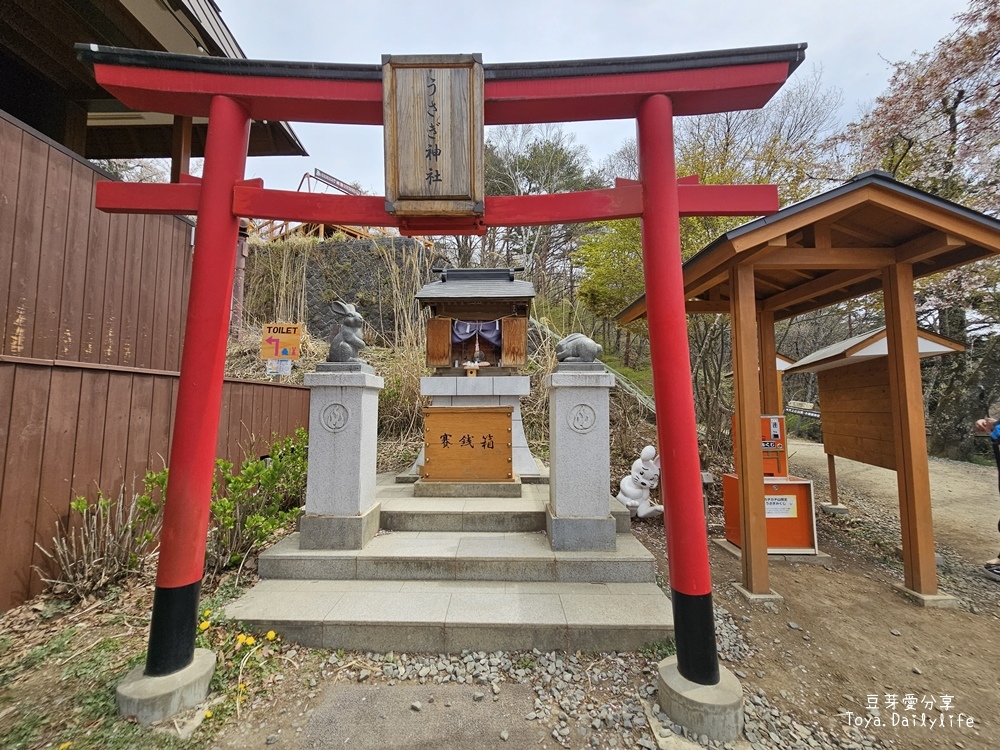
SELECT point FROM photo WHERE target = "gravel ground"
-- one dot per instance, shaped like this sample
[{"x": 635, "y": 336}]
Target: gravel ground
[{"x": 605, "y": 700}]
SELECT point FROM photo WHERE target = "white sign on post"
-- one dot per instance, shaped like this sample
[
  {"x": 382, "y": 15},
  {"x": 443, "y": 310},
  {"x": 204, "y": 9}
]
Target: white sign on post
[
  {"x": 279, "y": 367},
  {"x": 780, "y": 506}
]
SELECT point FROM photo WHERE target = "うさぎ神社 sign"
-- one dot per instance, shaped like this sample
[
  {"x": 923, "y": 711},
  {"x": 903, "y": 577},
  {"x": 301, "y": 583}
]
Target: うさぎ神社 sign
[{"x": 433, "y": 125}]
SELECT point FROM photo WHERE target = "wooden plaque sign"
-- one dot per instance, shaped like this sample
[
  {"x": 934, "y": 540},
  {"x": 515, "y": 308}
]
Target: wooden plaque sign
[
  {"x": 433, "y": 123},
  {"x": 467, "y": 444}
]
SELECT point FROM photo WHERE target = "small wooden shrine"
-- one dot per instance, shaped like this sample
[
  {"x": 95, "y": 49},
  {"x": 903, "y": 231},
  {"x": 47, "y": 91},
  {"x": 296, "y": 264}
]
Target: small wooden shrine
[
  {"x": 479, "y": 321},
  {"x": 477, "y": 338}
]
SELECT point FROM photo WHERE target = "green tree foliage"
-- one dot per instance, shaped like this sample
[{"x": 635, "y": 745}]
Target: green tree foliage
[
  {"x": 612, "y": 275},
  {"x": 779, "y": 144}
]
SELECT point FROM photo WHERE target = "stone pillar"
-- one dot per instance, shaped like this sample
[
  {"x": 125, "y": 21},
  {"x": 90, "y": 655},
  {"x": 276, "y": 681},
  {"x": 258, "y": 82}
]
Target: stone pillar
[
  {"x": 579, "y": 510},
  {"x": 341, "y": 512}
]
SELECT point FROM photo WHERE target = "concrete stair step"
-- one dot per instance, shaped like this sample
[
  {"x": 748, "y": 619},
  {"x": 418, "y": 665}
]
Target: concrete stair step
[
  {"x": 450, "y": 616},
  {"x": 462, "y": 556},
  {"x": 401, "y": 511},
  {"x": 463, "y": 514}
]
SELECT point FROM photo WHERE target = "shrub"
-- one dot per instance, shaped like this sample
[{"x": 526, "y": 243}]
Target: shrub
[
  {"x": 248, "y": 506},
  {"x": 107, "y": 540}
]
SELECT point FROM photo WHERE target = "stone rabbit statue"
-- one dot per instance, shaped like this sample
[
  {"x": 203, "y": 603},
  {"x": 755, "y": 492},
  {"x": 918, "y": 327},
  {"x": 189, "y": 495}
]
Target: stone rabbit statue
[
  {"x": 345, "y": 334},
  {"x": 578, "y": 348}
]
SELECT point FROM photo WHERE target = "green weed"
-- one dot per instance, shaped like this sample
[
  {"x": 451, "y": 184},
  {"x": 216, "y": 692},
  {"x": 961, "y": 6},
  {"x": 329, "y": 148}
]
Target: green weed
[
  {"x": 24, "y": 733},
  {"x": 659, "y": 650},
  {"x": 38, "y": 656},
  {"x": 91, "y": 664},
  {"x": 526, "y": 662}
]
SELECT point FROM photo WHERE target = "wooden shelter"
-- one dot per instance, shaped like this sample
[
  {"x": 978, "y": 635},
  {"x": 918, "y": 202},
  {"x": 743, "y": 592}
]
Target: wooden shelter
[{"x": 872, "y": 233}]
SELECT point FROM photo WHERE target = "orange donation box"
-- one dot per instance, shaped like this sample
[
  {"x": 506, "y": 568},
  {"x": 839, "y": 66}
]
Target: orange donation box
[
  {"x": 467, "y": 444},
  {"x": 788, "y": 501}
]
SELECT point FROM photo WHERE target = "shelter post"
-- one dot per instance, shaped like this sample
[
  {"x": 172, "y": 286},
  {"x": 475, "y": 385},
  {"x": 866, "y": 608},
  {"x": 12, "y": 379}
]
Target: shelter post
[
  {"x": 180, "y": 147},
  {"x": 199, "y": 397},
  {"x": 684, "y": 514},
  {"x": 906, "y": 397},
  {"x": 747, "y": 451},
  {"x": 831, "y": 469},
  {"x": 770, "y": 391}
]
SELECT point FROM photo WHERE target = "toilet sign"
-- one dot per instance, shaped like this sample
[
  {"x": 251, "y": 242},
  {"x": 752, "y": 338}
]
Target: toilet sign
[{"x": 281, "y": 341}]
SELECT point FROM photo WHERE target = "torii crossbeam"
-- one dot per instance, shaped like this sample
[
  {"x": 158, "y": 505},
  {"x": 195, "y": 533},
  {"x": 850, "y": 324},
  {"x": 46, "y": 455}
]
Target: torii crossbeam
[{"x": 231, "y": 93}]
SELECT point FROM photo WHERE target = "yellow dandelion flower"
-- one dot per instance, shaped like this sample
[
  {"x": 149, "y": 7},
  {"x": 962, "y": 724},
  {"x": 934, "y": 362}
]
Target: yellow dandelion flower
[
  {"x": 271, "y": 635},
  {"x": 65, "y": 746},
  {"x": 205, "y": 625},
  {"x": 242, "y": 686},
  {"x": 208, "y": 613},
  {"x": 241, "y": 638},
  {"x": 250, "y": 640},
  {"x": 208, "y": 714}
]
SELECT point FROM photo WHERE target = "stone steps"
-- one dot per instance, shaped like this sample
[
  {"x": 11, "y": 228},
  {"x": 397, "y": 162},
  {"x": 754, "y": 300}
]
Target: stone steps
[
  {"x": 448, "y": 574},
  {"x": 402, "y": 512},
  {"x": 462, "y": 556},
  {"x": 450, "y": 616}
]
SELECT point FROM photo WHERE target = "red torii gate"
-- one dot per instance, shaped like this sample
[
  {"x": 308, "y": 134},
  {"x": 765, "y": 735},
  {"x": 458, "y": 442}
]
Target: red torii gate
[{"x": 233, "y": 92}]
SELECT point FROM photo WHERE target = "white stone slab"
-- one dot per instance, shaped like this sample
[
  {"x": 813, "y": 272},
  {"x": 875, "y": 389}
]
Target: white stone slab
[
  {"x": 514, "y": 385},
  {"x": 474, "y": 386},
  {"x": 443, "y": 386},
  {"x": 580, "y": 453},
  {"x": 580, "y": 380}
]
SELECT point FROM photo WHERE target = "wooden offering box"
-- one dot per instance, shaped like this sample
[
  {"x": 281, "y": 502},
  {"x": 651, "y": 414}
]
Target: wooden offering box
[{"x": 467, "y": 444}]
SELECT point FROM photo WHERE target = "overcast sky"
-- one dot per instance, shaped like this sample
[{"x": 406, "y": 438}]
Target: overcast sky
[{"x": 850, "y": 40}]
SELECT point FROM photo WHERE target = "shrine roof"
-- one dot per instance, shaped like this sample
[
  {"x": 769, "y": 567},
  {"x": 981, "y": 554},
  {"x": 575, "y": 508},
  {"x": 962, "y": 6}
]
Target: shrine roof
[
  {"x": 833, "y": 247},
  {"x": 477, "y": 283}
]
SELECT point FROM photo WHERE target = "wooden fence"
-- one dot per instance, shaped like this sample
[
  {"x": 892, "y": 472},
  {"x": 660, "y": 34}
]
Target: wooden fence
[{"x": 92, "y": 311}]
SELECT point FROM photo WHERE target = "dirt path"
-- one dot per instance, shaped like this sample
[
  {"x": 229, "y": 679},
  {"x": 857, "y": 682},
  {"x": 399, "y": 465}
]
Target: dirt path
[
  {"x": 844, "y": 638},
  {"x": 964, "y": 499}
]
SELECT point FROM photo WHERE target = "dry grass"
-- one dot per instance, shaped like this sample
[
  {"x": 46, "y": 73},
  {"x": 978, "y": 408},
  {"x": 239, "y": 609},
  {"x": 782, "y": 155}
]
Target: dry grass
[{"x": 275, "y": 284}]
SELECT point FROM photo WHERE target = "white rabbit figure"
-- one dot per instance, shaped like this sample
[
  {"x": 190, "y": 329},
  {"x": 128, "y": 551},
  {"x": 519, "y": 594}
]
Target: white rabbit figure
[
  {"x": 634, "y": 489},
  {"x": 345, "y": 335}
]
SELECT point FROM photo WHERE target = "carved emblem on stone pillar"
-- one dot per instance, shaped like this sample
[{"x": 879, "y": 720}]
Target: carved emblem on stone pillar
[
  {"x": 582, "y": 418},
  {"x": 334, "y": 417}
]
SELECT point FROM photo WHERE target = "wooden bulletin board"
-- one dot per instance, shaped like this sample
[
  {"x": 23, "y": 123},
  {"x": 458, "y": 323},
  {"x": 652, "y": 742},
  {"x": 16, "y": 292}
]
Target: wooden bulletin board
[
  {"x": 857, "y": 412},
  {"x": 467, "y": 444}
]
